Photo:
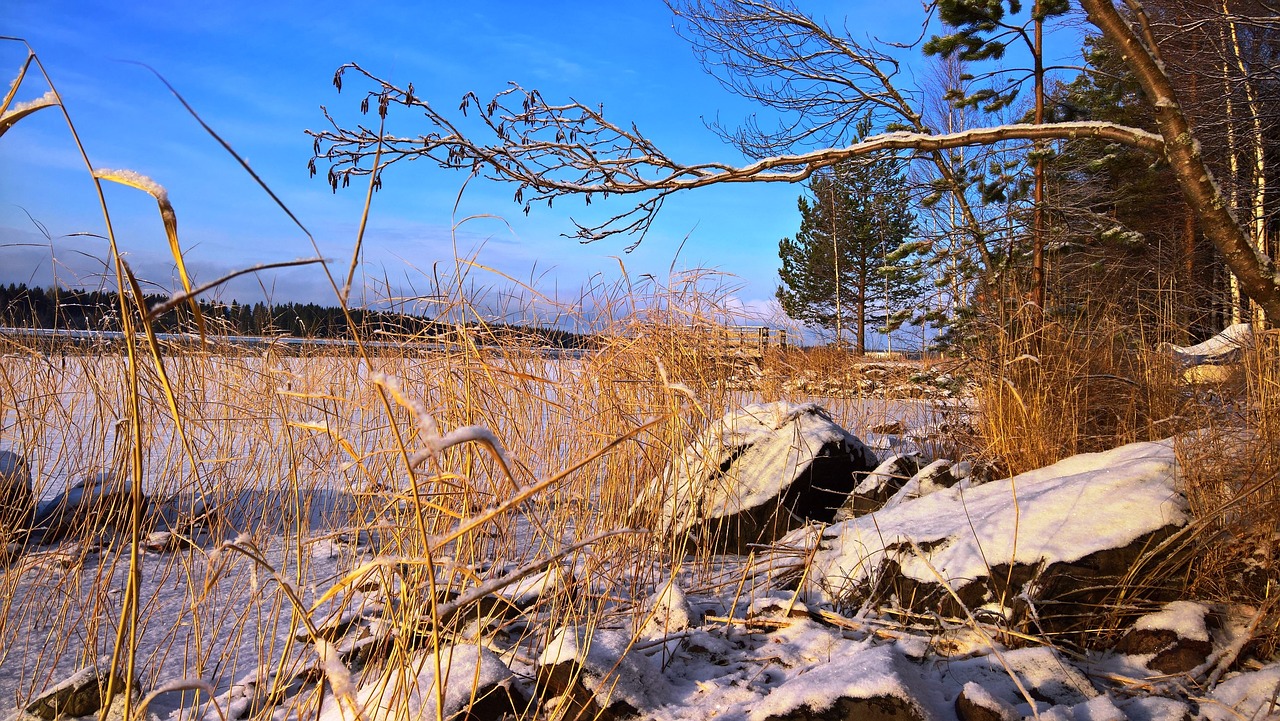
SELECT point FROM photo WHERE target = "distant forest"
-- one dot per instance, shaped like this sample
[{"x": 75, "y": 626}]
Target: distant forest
[{"x": 69, "y": 309}]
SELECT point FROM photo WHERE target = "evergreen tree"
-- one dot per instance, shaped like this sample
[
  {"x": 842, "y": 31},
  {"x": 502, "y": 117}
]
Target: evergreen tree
[{"x": 851, "y": 263}]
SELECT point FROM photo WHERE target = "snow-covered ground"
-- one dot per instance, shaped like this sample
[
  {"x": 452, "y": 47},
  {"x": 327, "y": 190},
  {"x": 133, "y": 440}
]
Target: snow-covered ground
[{"x": 732, "y": 637}]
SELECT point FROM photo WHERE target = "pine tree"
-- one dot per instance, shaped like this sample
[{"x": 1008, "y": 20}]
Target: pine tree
[{"x": 852, "y": 263}]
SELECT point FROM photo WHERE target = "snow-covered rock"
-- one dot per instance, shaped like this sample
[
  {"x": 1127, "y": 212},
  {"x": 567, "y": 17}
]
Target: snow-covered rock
[
  {"x": 664, "y": 613},
  {"x": 976, "y": 703},
  {"x": 878, "y": 486},
  {"x": 99, "y": 502},
  {"x": 593, "y": 675},
  {"x": 1016, "y": 679},
  {"x": 477, "y": 685},
  {"x": 754, "y": 475},
  {"x": 1224, "y": 347},
  {"x": 937, "y": 476},
  {"x": 81, "y": 694},
  {"x": 1055, "y": 537},
  {"x": 1173, "y": 640},
  {"x": 860, "y": 681}
]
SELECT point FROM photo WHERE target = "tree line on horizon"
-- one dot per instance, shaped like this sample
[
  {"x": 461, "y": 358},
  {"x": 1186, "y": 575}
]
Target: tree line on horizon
[{"x": 23, "y": 306}]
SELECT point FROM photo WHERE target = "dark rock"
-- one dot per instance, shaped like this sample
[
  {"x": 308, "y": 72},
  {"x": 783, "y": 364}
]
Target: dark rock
[
  {"x": 574, "y": 700},
  {"x": 1182, "y": 657},
  {"x": 82, "y": 694},
  {"x": 1146, "y": 641},
  {"x": 753, "y": 476},
  {"x": 17, "y": 504},
  {"x": 875, "y": 708}
]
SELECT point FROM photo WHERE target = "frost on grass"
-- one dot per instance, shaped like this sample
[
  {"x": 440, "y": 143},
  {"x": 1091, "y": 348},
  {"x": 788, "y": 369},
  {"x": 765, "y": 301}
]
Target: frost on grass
[
  {"x": 49, "y": 98},
  {"x": 134, "y": 179}
]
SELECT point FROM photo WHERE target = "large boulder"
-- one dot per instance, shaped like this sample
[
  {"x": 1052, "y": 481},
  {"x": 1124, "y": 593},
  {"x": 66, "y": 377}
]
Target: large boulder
[
  {"x": 99, "y": 503},
  {"x": 1043, "y": 549},
  {"x": 754, "y": 475}
]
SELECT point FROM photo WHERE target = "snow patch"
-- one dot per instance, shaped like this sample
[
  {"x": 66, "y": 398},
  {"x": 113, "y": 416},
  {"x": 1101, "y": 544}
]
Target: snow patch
[{"x": 1184, "y": 618}]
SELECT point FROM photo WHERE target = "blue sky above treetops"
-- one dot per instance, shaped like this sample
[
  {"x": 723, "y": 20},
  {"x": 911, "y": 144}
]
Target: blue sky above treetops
[{"x": 258, "y": 73}]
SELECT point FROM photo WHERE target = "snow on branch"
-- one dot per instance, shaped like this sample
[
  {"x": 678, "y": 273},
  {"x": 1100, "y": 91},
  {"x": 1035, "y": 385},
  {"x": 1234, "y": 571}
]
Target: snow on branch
[{"x": 549, "y": 151}]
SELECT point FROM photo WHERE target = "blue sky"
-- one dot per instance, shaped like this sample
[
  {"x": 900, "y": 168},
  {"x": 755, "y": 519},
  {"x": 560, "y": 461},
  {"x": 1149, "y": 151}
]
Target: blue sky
[{"x": 258, "y": 73}]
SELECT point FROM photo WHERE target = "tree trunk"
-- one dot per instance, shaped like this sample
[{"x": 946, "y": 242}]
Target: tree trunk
[
  {"x": 1037, "y": 222},
  {"x": 1255, "y": 272},
  {"x": 862, "y": 323}
]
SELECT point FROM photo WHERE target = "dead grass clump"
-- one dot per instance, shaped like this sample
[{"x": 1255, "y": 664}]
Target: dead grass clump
[
  {"x": 1232, "y": 479},
  {"x": 1051, "y": 392}
]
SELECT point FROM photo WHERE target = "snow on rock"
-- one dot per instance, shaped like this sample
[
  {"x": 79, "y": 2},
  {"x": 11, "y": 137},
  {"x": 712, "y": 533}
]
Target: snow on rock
[
  {"x": 858, "y": 681},
  {"x": 666, "y": 612},
  {"x": 17, "y": 503},
  {"x": 880, "y": 485},
  {"x": 754, "y": 475},
  {"x": 528, "y": 591},
  {"x": 932, "y": 478},
  {"x": 1222, "y": 348},
  {"x": 1044, "y": 674},
  {"x": 1090, "y": 515},
  {"x": 476, "y": 681},
  {"x": 1252, "y": 696},
  {"x": 81, "y": 694},
  {"x": 1173, "y": 640},
  {"x": 1184, "y": 618},
  {"x": 595, "y": 675},
  {"x": 976, "y": 703},
  {"x": 1154, "y": 708}
]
